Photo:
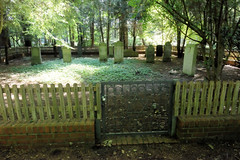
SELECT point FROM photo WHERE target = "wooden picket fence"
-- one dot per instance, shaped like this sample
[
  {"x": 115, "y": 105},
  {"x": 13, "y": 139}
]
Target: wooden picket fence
[
  {"x": 34, "y": 103},
  {"x": 207, "y": 98}
]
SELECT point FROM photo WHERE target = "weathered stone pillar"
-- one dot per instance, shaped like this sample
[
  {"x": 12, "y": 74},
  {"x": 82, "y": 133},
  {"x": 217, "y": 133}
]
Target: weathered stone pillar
[
  {"x": 118, "y": 52},
  {"x": 150, "y": 54},
  {"x": 36, "y": 56},
  {"x": 159, "y": 51},
  {"x": 190, "y": 58},
  {"x": 67, "y": 56},
  {"x": 110, "y": 51},
  {"x": 103, "y": 52},
  {"x": 167, "y": 52}
]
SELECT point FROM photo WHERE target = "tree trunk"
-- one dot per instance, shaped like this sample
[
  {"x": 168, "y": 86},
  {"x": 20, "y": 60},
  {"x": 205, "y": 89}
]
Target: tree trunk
[
  {"x": 108, "y": 27},
  {"x": 101, "y": 26},
  {"x": 4, "y": 40},
  {"x": 92, "y": 32},
  {"x": 71, "y": 36},
  {"x": 179, "y": 53},
  {"x": 123, "y": 33},
  {"x": 134, "y": 35},
  {"x": 143, "y": 42}
]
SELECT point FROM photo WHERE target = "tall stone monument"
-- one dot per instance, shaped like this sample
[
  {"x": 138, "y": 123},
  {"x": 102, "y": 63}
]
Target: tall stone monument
[
  {"x": 103, "y": 52},
  {"x": 67, "y": 56},
  {"x": 118, "y": 52},
  {"x": 110, "y": 51},
  {"x": 150, "y": 54},
  {"x": 189, "y": 60},
  {"x": 159, "y": 51},
  {"x": 36, "y": 56},
  {"x": 167, "y": 52}
]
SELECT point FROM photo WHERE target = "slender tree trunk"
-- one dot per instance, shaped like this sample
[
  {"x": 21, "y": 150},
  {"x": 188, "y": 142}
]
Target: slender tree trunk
[
  {"x": 108, "y": 27},
  {"x": 134, "y": 34},
  {"x": 92, "y": 32},
  {"x": 4, "y": 40},
  {"x": 143, "y": 42},
  {"x": 179, "y": 53},
  {"x": 100, "y": 25}
]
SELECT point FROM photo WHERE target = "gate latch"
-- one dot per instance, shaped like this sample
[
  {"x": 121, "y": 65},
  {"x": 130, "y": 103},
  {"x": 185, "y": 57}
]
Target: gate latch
[{"x": 103, "y": 98}]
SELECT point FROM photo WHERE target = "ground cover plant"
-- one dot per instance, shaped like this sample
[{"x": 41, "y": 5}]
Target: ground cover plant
[{"x": 88, "y": 70}]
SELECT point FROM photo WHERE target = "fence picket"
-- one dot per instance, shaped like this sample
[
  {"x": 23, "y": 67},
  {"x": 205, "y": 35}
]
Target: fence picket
[
  {"x": 235, "y": 96},
  {"x": 84, "y": 103},
  {"x": 9, "y": 101},
  {"x": 203, "y": 98},
  {"x": 47, "y": 102},
  {"x": 229, "y": 97},
  {"x": 2, "y": 105},
  {"x": 184, "y": 94},
  {"x": 62, "y": 104},
  {"x": 17, "y": 103},
  {"x": 75, "y": 88},
  {"x": 39, "y": 101},
  {"x": 69, "y": 100},
  {"x": 54, "y": 102},
  {"x": 210, "y": 98},
  {"x": 98, "y": 97},
  {"x": 216, "y": 98},
  {"x": 190, "y": 97},
  {"x": 32, "y": 103},
  {"x": 24, "y": 102},
  {"x": 91, "y": 101},
  {"x": 196, "y": 98},
  {"x": 222, "y": 98},
  {"x": 177, "y": 96}
]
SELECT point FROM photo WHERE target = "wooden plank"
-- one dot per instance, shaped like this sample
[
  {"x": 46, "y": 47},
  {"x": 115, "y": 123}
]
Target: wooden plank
[
  {"x": 176, "y": 98},
  {"x": 235, "y": 97},
  {"x": 98, "y": 99},
  {"x": 47, "y": 101},
  {"x": 17, "y": 103},
  {"x": 210, "y": 98},
  {"x": 190, "y": 98},
  {"x": 24, "y": 103},
  {"x": 196, "y": 98},
  {"x": 2, "y": 105},
  {"x": 32, "y": 103},
  {"x": 229, "y": 98},
  {"x": 69, "y": 100},
  {"x": 10, "y": 105},
  {"x": 62, "y": 104},
  {"x": 203, "y": 98},
  {"x": 75, "y": 87},
  {"x": 84, "y": 100},
  {"x": 91, "y": 102},
  {"x": 54, "y": 102},
  {"x": 183, "y": 100},
  {"x": 39, "y": 101},
  {"x": 216, "y": 97},
  {"x": 222, "y": 98}
]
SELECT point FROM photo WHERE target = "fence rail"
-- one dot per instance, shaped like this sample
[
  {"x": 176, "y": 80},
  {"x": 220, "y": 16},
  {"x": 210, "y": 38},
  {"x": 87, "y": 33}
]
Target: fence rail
[
  {"x": 207, "y": 98},
  {"x": 38, "y": 103}
]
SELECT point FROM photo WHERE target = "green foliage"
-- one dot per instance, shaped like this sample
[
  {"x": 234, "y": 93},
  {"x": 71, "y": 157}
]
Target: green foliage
[{"x": 86, "y": 70}]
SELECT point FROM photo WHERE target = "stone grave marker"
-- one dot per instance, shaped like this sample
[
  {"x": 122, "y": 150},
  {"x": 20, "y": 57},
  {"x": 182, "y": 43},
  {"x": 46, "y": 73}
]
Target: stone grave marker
[
  {"x": 167, "y": 52},
  {"x": 110, "y": 51},
  {"x": 150, "y": 54},
  {"x": 189, "y": 60},
  {"x": 118, "y": 52},
  {"x": 159, "y": 52},
  {"x": 103, "y": 52},
  {"x": 36, "y": 56},
  {"x": 67, "y": 56},
  {"x": 59, "y": 49}
]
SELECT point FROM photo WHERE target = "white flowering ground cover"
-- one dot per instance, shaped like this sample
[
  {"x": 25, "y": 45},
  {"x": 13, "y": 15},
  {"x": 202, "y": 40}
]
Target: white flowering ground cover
[{"x": 88, "y": 70}]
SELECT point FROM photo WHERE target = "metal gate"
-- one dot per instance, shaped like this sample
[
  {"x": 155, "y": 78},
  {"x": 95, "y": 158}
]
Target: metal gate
[{"x": 136, "y": 107}]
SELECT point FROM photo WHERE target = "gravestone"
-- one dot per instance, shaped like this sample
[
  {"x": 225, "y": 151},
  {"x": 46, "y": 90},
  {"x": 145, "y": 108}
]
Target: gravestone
[
  {"x": 159, "y": 52},
  {"x": 59, "y": 49},
  {"x": 102, "y": 52},
  {"x": 167, "y": 52},
  {"x": 118, "y": 52},
  {"x": 110, "y": 51},
  {"x": 189, "y": 60},
  {"x": 67, "y": 57},
  {"x": 36, "y": 56},
  {"x": 79, "y": 50},
  {"x": 150, "y": 54}
]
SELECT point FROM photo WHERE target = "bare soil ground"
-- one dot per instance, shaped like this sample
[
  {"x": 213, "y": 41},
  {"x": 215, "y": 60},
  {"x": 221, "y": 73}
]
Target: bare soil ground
[{"x": 211, "y": 150}]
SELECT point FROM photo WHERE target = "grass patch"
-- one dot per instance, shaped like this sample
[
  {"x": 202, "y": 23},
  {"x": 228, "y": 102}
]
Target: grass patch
[{"x": 88, "y": 70}]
